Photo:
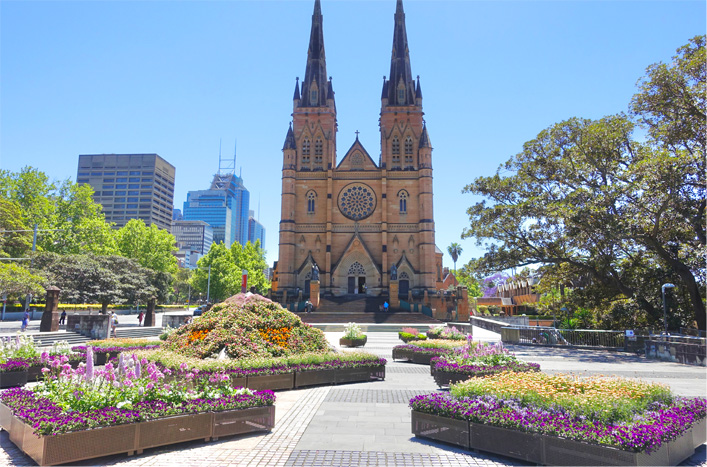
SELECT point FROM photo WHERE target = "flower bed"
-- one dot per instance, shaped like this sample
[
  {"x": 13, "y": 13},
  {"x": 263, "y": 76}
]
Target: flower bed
[
  {"x": 353, "y": 336},
  {"x": 106, "y": 349},
  {"x": 85, "y": 405},
  {"x": 476, "y": 360},
  {"x": 563, "y": 420},
  {"x": 409, "y": 334},
  {"x": 422, "y": 352},
  {"x": 444, "y": 332}
]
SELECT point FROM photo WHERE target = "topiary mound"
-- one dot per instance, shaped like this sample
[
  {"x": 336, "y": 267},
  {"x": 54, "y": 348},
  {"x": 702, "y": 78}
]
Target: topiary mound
[{"x": 246, "y": 325}]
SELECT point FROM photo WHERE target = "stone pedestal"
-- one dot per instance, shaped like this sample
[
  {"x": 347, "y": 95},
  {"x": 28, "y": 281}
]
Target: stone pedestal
[
  {"x": 426, "y": 299},
  {"x": 50, "y": 318},
  {"x": 150, "y": 318},
  {"x": 393, "y": 288},
  {"x": 314, "y": 293},
  {"x": 463, "y": 304},
  {"x": 284, "y": 298}
]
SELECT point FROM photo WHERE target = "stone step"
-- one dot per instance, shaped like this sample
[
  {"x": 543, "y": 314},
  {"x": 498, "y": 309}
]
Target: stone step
[{"x": 401, "y": 317}]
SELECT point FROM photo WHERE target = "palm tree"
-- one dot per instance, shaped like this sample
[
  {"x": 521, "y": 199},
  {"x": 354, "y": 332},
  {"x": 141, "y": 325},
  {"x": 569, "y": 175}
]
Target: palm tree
[{"x": 455, "y": 250}]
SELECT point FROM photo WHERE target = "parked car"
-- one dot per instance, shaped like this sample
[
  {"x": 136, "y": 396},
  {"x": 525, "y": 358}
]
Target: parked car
[{"x": 198, "y": 311}]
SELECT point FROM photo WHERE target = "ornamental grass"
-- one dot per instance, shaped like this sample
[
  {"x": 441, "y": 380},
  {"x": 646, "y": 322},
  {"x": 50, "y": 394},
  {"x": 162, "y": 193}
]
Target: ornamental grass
[
  {"x": 245, "y": 326},
  {"x": 605, "y": 399}
]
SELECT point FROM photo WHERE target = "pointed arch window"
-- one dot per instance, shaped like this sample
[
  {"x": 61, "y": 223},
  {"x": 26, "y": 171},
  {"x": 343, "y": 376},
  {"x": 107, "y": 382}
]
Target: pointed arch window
[
  {"x": 314, "y": 94},
  {"x": 318, "y": 147},
  {"x": 401, "y": 94},
  {"x": 403, "y": 199},
  {"x": 396, "y": 145},
  {"x": 305, "y": 147},
  {"x": 311, "y": 198},
  {"x": 408, "y": 145}
]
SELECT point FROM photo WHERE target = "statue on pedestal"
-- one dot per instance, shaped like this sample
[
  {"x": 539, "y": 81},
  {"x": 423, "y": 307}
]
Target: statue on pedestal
[{"x": 315, "y": 272}]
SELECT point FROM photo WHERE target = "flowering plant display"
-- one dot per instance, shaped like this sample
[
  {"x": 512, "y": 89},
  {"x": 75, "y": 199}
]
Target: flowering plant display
[
  {"x": 444, "y": 332},
  {"x": 115, "y": 345},
  {"x": 21, "y": 346},
  {"x": 411, "y": 334},
  {"x": 353, "y": 331},
  {"x": 134, "y": 390},
  {"x": 14, "y": 365},
  {"x": 246, "y": 326},
  {"x": 430, "y": 346},
  {"x": 479, "y": 359},
  {"x": 556, "y": 406},
  {"x": 258, "y": 366}
]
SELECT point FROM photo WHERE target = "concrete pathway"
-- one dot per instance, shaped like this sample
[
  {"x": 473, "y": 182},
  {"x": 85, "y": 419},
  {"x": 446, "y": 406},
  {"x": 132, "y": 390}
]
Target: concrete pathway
[{"x": 368, "y": 424}]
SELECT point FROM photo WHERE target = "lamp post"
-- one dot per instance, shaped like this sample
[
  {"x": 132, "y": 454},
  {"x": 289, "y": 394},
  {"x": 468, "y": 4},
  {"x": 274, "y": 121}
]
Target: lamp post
[{"x": 665, "y": 306}]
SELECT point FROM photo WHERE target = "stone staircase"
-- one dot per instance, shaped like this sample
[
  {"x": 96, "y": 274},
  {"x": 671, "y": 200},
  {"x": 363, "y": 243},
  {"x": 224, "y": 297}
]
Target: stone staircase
[{"x": 361, "y": 309}]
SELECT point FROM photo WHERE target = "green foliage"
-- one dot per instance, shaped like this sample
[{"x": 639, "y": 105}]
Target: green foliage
[
  {"x": 621, "y": 216},
  {"x": 15, "y": 280},
  {"x": 466, "y": 277},
  {"x": 13, "y": 242},
  {"x": 225, "y": 277},
  {"x": 353, "y": 331},
  {"x": 151, "y": 246},
  {"x": 251, "y": 258},
  {"x": 454, "y": 250}
]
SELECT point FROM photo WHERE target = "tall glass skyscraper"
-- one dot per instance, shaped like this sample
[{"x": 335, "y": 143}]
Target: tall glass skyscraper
[{"x": 224, "y": 206}]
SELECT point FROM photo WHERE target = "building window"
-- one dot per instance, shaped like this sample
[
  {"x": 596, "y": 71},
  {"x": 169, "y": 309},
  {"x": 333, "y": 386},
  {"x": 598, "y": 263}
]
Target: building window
[
  {"x": 403, "y": 197},
  {"x": 305, "y": 147},
  {"x": 318, "y": 151},
  {"x": 408, "y": 145},
  {"x": 401, "y": 94},
  {"x": 396, "y": 145},
  {"x": 311, "y": 197}
]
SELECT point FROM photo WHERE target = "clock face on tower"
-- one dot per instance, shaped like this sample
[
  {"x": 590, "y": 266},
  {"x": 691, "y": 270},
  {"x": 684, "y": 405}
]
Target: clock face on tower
[{"x": 357, "y": 201}]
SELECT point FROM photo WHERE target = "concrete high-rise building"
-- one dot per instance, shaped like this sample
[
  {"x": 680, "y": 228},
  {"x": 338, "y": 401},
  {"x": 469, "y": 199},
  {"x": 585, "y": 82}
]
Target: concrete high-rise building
[
  {"x": 224, "y": 206},
  {"x": 195, "y": 235},
  {"x": 256, "y": 230},
  {"x": 130, "y": 186}
]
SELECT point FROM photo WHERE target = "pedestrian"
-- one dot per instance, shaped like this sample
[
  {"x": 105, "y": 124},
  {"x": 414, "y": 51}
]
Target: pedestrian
[
  {"x": 385, "y": 306},
  {"x": 139, "y": 318},
  {"x": 114, "y": 324},
  {"x": 308, "y": 307},
  {"x": 62, "y": 318},
  {"x": 25, "y": 321}
]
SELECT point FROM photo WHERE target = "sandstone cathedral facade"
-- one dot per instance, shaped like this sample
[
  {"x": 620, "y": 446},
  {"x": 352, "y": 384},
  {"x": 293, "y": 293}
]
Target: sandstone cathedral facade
[{"x": 353, "y": 222}]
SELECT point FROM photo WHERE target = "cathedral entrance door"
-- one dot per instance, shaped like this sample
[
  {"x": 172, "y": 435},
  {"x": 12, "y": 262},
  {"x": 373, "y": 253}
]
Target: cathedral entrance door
[
  {"x": 306, "y": 287},
  {"x": 362, "y": 285},
  {"x": 403, "y": 287},
  {"x": 352, "y": 285}
]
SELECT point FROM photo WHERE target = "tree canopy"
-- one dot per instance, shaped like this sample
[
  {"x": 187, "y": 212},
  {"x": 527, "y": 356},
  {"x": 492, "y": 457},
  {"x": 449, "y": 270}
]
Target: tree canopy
[
  {"x": 15, "y": 280},
  {"x": 592, "y": 198}
]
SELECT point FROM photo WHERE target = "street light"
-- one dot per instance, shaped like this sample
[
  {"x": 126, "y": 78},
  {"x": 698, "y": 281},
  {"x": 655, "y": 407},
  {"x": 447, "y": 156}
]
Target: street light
[{"x": 665, "y": 306}]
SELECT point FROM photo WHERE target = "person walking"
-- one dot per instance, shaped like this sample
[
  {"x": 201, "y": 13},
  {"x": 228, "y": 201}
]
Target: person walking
[
  {"x": 25, "y": 321},
  {"x": 113, "y": 324},
  {"x": 139, "y": 318},
  {"x": 62, "y": 318}
]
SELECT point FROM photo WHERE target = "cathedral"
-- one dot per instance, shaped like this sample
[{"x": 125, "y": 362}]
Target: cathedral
[{"x": 354, "y": 223}]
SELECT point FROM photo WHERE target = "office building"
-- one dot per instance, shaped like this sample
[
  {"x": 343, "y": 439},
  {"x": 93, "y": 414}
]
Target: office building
[
  {"x": 130, "y": 186},
  {"x": 256, "y": 230},
  {"x": 194, "y": 235},
  {"x": 224, "y": 206}
]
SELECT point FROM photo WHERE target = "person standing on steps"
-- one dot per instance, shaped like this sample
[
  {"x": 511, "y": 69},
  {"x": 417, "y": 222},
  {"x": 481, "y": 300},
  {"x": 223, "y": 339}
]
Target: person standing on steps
[{"x": 385, "y": 306}]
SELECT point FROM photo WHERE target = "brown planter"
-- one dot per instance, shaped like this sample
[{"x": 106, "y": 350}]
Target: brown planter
[
  {"x": 402, "y": 354},
  {"x": 355, "y": 375},
  {"x": 447, "y": 430},
  {"x": 235, "y": 422},
  {"x": 445, "y": 378},
  {"x": 71, "y": 447},
  {"x": 353, "y": 342},
  {"x": 272, "y": 382},
  {"x": 314, "y": 377},
  {"x": 34, "y": 373},
  {"x": 9, "y": 379},
  {"x": 422, "y": 358},
  {"x": 5, "y": 417},
  {"x": 174, "y": 430},
  {"x": 550, "y": 450},
  {"x": 239, "y": 381}
]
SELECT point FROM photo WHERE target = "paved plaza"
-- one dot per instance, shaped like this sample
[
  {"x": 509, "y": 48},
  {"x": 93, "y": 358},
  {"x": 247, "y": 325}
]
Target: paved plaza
[{"x": 368, "y": 424}]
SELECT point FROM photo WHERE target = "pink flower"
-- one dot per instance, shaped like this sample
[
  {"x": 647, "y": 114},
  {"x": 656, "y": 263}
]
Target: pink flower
[
  {"x": 149, "y": 386},
  {"x": 46, "y": 370}
]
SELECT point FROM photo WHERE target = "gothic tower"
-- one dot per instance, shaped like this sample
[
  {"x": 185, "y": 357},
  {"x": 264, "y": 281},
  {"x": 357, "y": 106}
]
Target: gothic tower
[{"x": 356, "y": 218}]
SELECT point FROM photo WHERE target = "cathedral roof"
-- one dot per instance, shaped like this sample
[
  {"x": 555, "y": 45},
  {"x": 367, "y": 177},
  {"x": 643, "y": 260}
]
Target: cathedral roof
[
  {"x": 290, "y": 139},
  {"x": 315, "y": 73},
  {"x": 400, "y": 72},
  {"x": 425, "y": 138}
]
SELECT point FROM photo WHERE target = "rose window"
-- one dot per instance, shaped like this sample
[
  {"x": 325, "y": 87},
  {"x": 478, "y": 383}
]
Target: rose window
[{"x": 357, "y": 201}]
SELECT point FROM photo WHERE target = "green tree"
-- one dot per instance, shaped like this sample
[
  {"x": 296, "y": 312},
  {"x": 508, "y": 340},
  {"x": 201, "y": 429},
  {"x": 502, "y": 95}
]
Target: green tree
[
  {"x": 225, "y": 276},
  {"x": 455, "y": 250},
  {"x": 151, "y": 246},
  {"x": 15, "y": 240},
  {"x": 181, "y": 284},
  {"x": 251, "y": 258},
  {"x": 466, "y": 277},
  {"x": 15, "y": 280}
]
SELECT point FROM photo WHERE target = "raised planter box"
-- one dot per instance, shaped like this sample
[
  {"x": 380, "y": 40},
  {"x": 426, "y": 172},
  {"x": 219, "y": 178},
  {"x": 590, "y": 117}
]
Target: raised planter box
[
  {"x": 445, "y": 378},
  {"x": 315, "y": 377},
  {"x": 353, "y": 342},
  {"x": 355, "y": 375},
  {"x": 422, "y": 358},
  {"x": 5, "y": 417},
  {"x": 10, "y": 379},
  {"x": 402, "y": 354},
  {"x": 241, "y": 381},
  {"x": 272, "y": 382},
  {"x": 235, "y": 422},
  {"x": 34, "y": 373},
  {"x": 98, "y": 442},
  {"x": 174, "y": 430},
  {"x": 550, "y": 450}
]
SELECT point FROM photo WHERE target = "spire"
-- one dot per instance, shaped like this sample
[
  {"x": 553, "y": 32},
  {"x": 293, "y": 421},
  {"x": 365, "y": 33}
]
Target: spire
[
  {"x": 296, "y": 96},
  {"x": 314, "y": 85},
  {"x": 418, "y": 93},
  {"x": 289, "y": 139},
  {"x": 424, "y": 137},
  {"x": 400, "y": 86}
]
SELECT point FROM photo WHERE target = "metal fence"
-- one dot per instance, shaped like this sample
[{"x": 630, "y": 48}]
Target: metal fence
[{"x": 575, "y": 337}]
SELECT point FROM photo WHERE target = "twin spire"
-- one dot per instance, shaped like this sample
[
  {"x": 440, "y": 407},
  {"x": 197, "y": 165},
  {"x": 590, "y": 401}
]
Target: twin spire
[{"x": 316, "y": 88}]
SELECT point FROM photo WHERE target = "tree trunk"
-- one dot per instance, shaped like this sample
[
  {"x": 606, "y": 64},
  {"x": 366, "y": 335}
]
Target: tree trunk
[{"x": 104, "y": 308}]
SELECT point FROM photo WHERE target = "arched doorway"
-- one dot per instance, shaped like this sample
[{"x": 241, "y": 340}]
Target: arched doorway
[
  {"x": 356, "y": 279},
  {"x": 403, "y": 284}
]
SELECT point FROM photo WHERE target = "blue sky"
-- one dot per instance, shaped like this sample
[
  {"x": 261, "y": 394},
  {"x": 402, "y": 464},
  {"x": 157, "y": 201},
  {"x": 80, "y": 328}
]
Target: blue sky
[{"x": 175, "y": 77}]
